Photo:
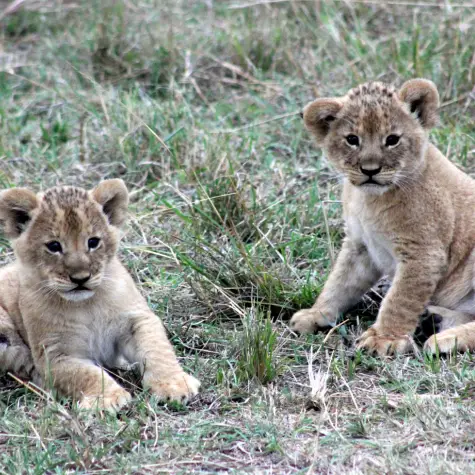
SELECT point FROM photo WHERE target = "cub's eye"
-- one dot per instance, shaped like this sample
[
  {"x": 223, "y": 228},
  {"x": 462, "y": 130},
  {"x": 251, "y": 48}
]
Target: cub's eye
[
  {"x": 353, "y": 140},
  {"x": 93, "y": 242},
  {"x": 392, "y": 140},
  {"x": 54, "y": 247}
]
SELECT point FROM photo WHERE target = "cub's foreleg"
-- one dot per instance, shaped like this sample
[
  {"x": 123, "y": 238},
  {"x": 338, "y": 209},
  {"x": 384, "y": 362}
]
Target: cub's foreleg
[
  {"x": 418, "y": 272},
  {"x": 82, "y": 380},
  {"x": 149, "y": 346},
  {"x": 354, "y": 273},
  {"x": 15, "y": 356}
]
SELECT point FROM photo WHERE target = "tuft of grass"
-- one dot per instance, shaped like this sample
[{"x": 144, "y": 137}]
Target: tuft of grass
[
  {"x": 257, "y": 350},
  {"x": 225, "y": 250}
]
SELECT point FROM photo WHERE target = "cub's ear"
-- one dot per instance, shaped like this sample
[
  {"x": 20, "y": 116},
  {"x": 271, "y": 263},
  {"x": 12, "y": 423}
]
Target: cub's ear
[
  {"x": 423, "y": 99},
  {"x": 319, "y": 114},
  {"x": 113, "y": 196},
  {"x": 16, "y": 205}
]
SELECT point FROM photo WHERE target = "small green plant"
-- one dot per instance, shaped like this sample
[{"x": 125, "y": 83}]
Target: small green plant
[
  {"x": 357, "y": 427},
  {"x": 56, "y": 134},
  {"x": 353, "y": 363},
  {"x": 162, "y": 69},
  {"x": 432, "y": 361},
  {"x": 256, "y": 359},
  {"x": 22, "y": 24}
]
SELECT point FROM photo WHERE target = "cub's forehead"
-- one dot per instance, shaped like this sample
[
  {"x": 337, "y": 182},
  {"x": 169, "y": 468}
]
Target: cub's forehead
[
  {"x": 371, "y": 107},
  {"x": 65, "y": 197},
  {"x": 372, "y": 93},
  {"x": 69, "y": 210}
]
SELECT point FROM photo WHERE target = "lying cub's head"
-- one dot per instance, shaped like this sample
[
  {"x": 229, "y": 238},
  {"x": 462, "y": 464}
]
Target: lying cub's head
[
  {"x": 376, "y": 135},
  {"x": 66, "y": 236}
]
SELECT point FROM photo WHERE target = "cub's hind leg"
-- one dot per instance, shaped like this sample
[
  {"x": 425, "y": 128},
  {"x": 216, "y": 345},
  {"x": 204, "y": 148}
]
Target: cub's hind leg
[
  {"x": 456, "y": 330},
  {"x": 445, "y": 318},
  {"x": 436, "y": 319},
  {"x": 460, "y": 338},
  {"x": 15, "y": 356}
]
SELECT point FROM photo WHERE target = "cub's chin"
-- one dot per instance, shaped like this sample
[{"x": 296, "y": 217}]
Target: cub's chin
[
  {"x": 374, "y": 189},
  {"x": 77, "y": 295}
]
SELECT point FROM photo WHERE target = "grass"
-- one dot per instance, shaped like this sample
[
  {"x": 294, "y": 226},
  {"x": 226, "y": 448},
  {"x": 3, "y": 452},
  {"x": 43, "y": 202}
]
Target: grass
[{"x": 235, "y": 221}]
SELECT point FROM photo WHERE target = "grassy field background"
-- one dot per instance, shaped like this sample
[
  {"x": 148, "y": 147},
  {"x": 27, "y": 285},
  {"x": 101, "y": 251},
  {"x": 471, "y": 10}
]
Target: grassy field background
[{"x": 235, "y": 221}]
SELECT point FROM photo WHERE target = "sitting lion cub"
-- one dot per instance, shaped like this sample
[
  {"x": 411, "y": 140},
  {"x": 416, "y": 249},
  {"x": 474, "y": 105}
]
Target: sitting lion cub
[
  {"x": 409, "y": 213},
  {"x": 69, "y": 300}
]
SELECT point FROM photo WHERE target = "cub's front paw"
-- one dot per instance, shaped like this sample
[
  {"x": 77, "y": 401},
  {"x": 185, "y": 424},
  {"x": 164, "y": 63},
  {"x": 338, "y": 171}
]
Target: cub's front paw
[
  {"x": 308, "y": 321},
  {"x": 179, "y": 387},
  {"x": 111, "y": 401},
  {"x": 384, "y": 344}
]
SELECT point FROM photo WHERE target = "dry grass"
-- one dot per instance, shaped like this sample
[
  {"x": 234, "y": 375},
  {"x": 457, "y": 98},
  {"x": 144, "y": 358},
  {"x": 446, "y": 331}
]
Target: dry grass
[{"x": 235, "y": 219}]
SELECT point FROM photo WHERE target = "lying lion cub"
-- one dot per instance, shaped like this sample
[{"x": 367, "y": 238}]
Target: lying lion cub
[
  {"x": 69, "y": 300},
  {"x": 409, "y": 213}
]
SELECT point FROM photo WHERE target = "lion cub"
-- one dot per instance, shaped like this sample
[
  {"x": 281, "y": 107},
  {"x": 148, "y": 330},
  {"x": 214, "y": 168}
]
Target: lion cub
[
  {"x": 409, "y": 213},
  {"x": 67, "y": 305}
]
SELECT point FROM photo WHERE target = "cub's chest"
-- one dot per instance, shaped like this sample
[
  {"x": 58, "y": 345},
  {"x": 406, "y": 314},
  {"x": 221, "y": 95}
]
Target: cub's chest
[
  {"x": 378, "y": 244},
  {"x": 98, "y": 336},
  {"x": 103, "y": 341}
]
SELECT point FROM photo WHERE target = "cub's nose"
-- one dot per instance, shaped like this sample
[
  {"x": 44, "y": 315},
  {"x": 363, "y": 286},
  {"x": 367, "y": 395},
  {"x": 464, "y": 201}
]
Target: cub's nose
[
  {"x": 370, "y": 172},
  {"x": 79, "y": 279}
]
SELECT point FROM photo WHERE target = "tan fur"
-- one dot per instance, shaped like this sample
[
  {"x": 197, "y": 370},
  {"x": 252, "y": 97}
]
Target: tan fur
[
  {"x": 105, "y": 322},
  {"x": 417, "y": 224}
]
